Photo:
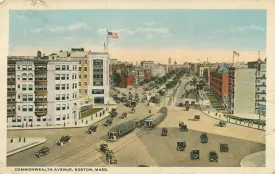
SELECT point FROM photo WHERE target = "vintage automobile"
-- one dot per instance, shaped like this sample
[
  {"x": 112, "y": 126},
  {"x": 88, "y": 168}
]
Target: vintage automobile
[
  {"x": 91, "y": 129},
  {"x": 164, "y": 132},
  {"x": 42, "y": 152},
  {"x": 197, "y": 117},
  {"x": 195, "y": 154},
  {"x": 181, "y": 145},
  {"x": 124, "y": 115},
  {"x": 222, "y": 123},
  {"x": 113, "y": 113},
  {"x": 104, "y": 148},
  {"x": 224, "y": 147},
  {"x": 108, "y": 122},
  {"x": 187, "y": 107},
  {"x": 143, "y": 165},
  {"x": 193, "y": 103},
  {"x": 213, "y": 156},
  {"x": 183, "y": 127},
  {"x": 110, "y": 157},
  {"x": 180, "y": 104},
  {"x": 204, "y": 138},
  {"x": 132, "y": 110},
  {"x": 64, "y": 140}
]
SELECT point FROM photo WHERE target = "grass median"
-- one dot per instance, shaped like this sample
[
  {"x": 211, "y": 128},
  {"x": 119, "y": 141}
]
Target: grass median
[{"x": 90, "y": 112}]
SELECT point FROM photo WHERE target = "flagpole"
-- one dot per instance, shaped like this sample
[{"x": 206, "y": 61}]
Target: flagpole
[
  {"x": 233, "y": 59},
  {"x": 107, "y": 41}
]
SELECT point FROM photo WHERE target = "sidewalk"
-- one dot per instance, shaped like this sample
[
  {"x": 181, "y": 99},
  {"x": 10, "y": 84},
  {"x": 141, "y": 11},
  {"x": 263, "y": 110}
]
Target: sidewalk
[
  {"x": 87, "y": 121},
  {"x": 220, "y": 116},
  {"x": 254, "y": 160},
  {"x": 16, "y": 146}
]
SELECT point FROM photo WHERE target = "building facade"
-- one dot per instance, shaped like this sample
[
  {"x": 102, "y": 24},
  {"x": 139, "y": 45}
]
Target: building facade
[
  {"x": 128, "y": 79},
  {"x": 78, "y": 54},
  {"x": 219, "y": 84},
  {"x": 260, "y": 82},
  {"x": 98, "y": 87},
  {"x": 241, "y": 92},
  {"x": 42, "y": 92}
]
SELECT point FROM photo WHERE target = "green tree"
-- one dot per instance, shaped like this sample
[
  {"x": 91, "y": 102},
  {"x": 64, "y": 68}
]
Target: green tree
[{"x": 116, "y": 77}]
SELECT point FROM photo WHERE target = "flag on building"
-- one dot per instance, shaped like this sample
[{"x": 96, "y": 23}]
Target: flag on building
[
  {"x": 112, "y": 35},
  {"x": 236, "y": 53}
]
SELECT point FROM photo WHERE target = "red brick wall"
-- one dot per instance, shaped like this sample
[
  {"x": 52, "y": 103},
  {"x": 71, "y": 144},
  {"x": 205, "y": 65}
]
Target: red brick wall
[
  {"x": 127, "y": 81},
  {"x": 219, "y": 84}
]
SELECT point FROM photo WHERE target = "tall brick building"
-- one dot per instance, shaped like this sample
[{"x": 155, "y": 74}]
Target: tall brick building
[
  {"x": 219, "y": 81},
  {"x": 128, "y": 79}
]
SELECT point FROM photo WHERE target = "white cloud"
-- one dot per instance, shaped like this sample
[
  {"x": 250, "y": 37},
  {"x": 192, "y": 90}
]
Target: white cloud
[
  {"x": 240, "y": 29},
  {"x": 151, "y": 23},
  {"x": 57, "y": 29},
  {"x": 157, "y": 31},
  {"x": 77, "y": 26},
  {"x": 72, "y": 27},
  {"x": 37, "y": 30}
]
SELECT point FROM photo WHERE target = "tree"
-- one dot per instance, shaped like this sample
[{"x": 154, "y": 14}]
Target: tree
[{"x": 116, "y": 77}]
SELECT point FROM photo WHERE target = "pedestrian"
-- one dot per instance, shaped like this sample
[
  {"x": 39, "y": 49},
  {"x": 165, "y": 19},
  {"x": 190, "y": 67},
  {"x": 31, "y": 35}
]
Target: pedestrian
[
  {"x": 22, "y": 125},
  {"x": 82, "y": 120},
  {"x": 103, "y": 112},
  {"x": 75, "y": 123},
  {"x": 96, "y": 114},
  {"x": 11, "y": 139},
  {"x": 86, "y": 121},
  {"x": 149, "y": 111},
  {"x": 19, "y": 139},
  {"x": 64, "y": 124},
  {"x": 24, "y": 139}
]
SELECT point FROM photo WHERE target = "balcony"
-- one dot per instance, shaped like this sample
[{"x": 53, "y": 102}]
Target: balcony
[
  {"x": 41, "y": 113},
  {"x": 41, "y": 101},
  {"x": 11, "y": 114},
  {"x": 41, "y": 82}
]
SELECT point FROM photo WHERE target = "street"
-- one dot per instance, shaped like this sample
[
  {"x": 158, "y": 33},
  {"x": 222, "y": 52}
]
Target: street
[{"x": 149, "y": 146}]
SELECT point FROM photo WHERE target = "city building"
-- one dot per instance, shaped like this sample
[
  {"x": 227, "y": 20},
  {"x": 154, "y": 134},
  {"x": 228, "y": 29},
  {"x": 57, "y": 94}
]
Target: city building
[
  {"x": 202, "y": 67},
  {"x": 41, "y": 92},
  {"x": 78, "y": 54},
  {"x": 260, "y": 87},
  {"x": 219, "y": 82},
  {"x": 206, "y": 74},
  {"x": 98, "y": 84},
  {"x": 241, "y": 92},
  {"x": 128, "y": 79}
]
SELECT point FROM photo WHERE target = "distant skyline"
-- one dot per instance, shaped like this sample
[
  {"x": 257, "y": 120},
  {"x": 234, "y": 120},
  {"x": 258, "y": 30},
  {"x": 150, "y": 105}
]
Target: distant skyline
[{"x": 183, "y": 35}]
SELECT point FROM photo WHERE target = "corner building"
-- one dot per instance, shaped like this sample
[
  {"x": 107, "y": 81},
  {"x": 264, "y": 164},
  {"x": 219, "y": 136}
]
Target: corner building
[{"x": 41, "y": 92}]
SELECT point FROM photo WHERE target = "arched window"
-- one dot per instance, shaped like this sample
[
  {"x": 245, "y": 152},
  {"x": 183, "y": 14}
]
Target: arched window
[
  {"x": 24, "y": 76},
  {"x": 30, "y": 76}
]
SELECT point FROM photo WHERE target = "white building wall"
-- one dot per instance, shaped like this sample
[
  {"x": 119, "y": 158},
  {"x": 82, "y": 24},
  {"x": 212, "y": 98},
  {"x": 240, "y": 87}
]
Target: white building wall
[
  {"x": 105, "y": 58},
  {"x": 24, "y": 116},
  {"x": 72, "y": 102},
  {"x": 244, "y": 101}
]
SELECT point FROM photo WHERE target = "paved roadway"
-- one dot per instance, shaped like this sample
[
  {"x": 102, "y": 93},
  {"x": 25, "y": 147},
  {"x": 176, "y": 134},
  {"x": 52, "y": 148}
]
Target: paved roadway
[
  {"x": 147, "y": 146},
  {"x": 81, "y": 145}
]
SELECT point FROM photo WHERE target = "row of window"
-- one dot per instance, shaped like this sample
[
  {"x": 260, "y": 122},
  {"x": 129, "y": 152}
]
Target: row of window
[
  {"x": 25, "y": 67},
  {"x": 64, "y": 67},
  {"x": 63, "y": 86},
  {"x": 60, "y": 107},
  {"x": 85, "y": 83},
  {"x": 85, "y": 76},
  {"x": 38, "y": 119},
  {"x": 25, "y": 76},
  {"x": 64, "y": 76},
  {"x": 85, "y": 69},
  {"x": 98, "y": 83},
  {"x": 62, "y": 97}
]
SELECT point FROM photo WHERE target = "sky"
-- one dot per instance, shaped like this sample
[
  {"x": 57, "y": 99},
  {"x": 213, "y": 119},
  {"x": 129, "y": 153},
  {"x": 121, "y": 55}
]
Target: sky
[{"x": 183, "y": 35}]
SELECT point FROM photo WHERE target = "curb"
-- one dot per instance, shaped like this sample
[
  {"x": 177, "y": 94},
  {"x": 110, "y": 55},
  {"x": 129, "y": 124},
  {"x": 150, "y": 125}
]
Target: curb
[
  {"x": 15, "y": 151},
  {"x": 230, "y": 122},
  {"x": 69, "y": 127}
]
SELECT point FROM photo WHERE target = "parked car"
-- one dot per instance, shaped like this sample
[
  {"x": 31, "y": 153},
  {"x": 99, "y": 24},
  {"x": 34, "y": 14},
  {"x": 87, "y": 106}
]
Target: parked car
[
  {"x": 204, "y": 138},
  {"x": 213, "y": 156},
  {"x": 195, "y": 154},
  {"x": 224, "y": 148},
  {"x": 164, "y": 132},
  {"x": 181, "y": 145}
]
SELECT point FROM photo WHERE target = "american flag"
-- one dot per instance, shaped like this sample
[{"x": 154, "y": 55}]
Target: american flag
[
  {"x": 112, "y": 35},
  {"x": 236, "y": 53}
]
